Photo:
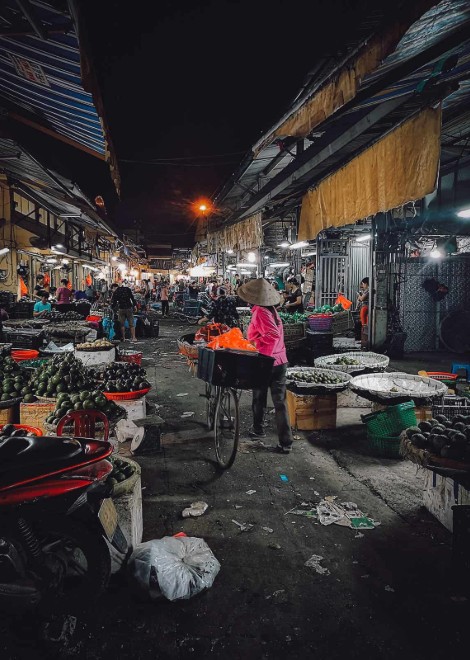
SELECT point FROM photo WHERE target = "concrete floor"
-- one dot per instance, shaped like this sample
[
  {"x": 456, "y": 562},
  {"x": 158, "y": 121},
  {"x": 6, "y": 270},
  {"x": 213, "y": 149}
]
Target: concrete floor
[{"x": 388, "y": 592}]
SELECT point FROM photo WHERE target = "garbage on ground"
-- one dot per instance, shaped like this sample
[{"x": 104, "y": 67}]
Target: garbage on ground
[
  {"x": 188, "y": 413},
  {"x": 274, "y": 546},
  {"x": 284, "y": 477},
  {"x": 268, "y": 529},
  {"x": 250, "y": 492},
  {"x": 251, "y": 446},
  {"x": 173, "y": 567},
  {"x": 389, "y": 588},
  {"x": 244, "y": 527},
  {"x": 308, "y": 513},
  {"x": 196, "y": 509},
  {"x": 182, "y": 394},
  {"x": 346, "y": 514},
  {"x": 314, "y": 562}
]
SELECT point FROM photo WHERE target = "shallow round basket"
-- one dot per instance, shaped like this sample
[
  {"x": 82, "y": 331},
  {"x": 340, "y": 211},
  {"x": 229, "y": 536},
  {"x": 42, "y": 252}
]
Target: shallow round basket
[
  {"x": 312, "y": 388},
  {"x": 187, "y": 348},
  {"x": 126, "y": 486},
  {"x": 366, "y": 361},
  {"x": 396, "y": 387},
  {"x": 126, "y": 396}
]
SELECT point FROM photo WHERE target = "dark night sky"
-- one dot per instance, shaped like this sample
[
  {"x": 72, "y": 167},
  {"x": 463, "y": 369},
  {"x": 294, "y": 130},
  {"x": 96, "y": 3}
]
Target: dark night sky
[{"x": 193, "y": 79}]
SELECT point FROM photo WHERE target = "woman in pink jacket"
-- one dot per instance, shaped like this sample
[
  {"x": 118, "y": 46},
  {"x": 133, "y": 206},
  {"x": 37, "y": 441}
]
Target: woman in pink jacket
[{"x": 266, "y": 333}]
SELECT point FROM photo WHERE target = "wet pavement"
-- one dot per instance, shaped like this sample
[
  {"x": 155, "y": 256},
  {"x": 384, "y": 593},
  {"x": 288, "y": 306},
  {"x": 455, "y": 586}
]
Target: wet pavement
[{"x": 380, "y": 593}]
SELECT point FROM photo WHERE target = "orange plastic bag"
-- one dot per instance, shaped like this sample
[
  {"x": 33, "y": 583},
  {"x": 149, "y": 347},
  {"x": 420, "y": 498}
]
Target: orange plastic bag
[
  {"x": 342, "y": 300},
  {"x": 23, "y": 287},
  {"x": 232, "y": 339},
  {"x": 210, "y": 331}
]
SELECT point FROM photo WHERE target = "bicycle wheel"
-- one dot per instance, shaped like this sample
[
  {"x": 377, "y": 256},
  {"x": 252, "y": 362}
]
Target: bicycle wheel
[
  {"x": 211, "y": 401},
  {"x": 226, "y": 427}
]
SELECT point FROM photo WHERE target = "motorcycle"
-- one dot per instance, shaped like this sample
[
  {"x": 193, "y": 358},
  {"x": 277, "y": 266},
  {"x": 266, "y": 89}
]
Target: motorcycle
[{"x": 58, "y": 525}]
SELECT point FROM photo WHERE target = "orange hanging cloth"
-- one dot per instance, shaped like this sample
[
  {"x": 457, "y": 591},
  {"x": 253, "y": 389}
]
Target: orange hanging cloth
[
  {"x": 342, "y": 300},
  {"x": 69, "y": 285},
  {"x": 47, "y": 279},
  {"x": 23, "y": 288},
  {"x": 88, "y": 280}
]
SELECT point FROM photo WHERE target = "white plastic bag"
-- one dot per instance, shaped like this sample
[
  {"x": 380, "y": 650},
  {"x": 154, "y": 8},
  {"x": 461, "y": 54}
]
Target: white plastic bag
[{"x": 175, "y": 567}]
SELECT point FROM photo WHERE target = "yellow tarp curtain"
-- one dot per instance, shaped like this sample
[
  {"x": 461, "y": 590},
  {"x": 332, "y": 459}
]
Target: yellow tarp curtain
[
  {"x": 401, "y": 167},
  {"x": 245, "y": 235}
]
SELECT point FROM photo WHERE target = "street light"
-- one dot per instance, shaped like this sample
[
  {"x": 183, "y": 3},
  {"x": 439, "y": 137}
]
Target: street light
[{"x": 203, "y": 207}]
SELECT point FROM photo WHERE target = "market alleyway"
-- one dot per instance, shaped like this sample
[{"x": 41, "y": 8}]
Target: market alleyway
[{"x": 382, "y": 593}]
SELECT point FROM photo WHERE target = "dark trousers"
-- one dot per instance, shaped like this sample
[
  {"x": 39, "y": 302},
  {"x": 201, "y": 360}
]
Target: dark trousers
[
  {"x": 277, "y": 386},
  {"x": 165, "y": 307}
]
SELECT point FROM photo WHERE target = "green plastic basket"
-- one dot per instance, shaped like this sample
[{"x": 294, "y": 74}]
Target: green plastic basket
[
  {"x": 392, "y": 421},
  {"x": 385, "y": 446}
]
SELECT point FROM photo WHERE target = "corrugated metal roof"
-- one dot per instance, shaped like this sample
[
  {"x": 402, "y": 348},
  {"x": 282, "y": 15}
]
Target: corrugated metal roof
[{"x": 51, "y": 190}]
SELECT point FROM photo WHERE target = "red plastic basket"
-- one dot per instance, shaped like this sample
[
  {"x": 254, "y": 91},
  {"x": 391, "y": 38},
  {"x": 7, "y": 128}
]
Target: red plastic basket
[
  {"x": 126, "y": 396},
  {"x": 25, "y": 427},
  {"x": 20, "y": 354},
  {"x": 442, "y": 376},
  {"x": 136, "y": 357},
  {"x": 320, "y": 322}
]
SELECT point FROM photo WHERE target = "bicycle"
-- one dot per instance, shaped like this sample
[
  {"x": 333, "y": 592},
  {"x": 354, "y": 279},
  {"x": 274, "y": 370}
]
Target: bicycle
[{"x": 223, "y": 417}]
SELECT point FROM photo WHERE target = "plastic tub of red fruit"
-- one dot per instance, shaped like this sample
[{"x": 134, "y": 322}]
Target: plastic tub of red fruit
[
  {"x": 24, "y": 427},
  {"x": 126, "y": 396}
]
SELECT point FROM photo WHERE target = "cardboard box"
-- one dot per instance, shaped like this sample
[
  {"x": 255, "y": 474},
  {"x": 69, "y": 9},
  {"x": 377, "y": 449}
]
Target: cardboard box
[
  {"x": 312, "y": 412},
  {"x": 439, "y": 496}
]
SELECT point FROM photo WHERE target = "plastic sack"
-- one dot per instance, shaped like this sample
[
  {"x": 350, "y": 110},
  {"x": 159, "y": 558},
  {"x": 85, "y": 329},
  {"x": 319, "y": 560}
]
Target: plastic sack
[
  {"x": 342, "y": 300},
  {"x": 210, "y": 331},
  {"x": 176, "y": 568},
  {"x": 232, "y": 339}
]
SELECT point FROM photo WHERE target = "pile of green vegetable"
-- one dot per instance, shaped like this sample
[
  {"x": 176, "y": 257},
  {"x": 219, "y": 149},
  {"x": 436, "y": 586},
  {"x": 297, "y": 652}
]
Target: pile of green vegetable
[
  {"x": 346, "y": 361},
  {"x": 121, "y": 471},
  {"x": 64, "y": 374},
  {"x": 13, "y": 380},
  {"x": 296, "y": 317},
  {"x": 443, "y": 437},
  {"x": 328, "y": 309},
  {"x": 86, "y": 400},
  {"x": 315, "y": 377}
]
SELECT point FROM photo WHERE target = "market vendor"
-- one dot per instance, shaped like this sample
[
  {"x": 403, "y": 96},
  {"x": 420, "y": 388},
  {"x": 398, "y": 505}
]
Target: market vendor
[
  {"x": 42, "y": 307},
  {"x": 363, "y": 301},
  {"x": 267, "y": 334},
  {"x": 222, "y": 310},
  {"x": 294, "y": 302},
  {"x": 39, "y": 288},
  {"x": 64, "y": 295}
]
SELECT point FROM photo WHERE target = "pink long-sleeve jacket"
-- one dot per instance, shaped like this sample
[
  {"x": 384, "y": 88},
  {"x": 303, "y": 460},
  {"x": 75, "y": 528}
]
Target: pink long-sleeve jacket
[{"x": 266, "y": 335}]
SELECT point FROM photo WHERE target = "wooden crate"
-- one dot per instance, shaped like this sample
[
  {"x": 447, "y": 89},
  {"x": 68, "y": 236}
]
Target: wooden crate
[
  {"x": 34, "y": 414},
  {"x": 312, "y": 412},
  {"x": 9, "y": 415}
]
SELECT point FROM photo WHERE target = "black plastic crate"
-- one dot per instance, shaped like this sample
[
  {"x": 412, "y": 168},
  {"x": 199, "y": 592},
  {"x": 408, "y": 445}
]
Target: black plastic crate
[
  {"x": 320, "y": 341},
  {"x": 153, "y": 329},
  {"x": 23, "y": 339},
  {"x": 239, "y": 369}
]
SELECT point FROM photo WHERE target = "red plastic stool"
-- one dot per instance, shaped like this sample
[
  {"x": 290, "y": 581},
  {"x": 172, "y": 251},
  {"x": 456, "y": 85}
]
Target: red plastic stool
[{"x": 84, "y": 423}]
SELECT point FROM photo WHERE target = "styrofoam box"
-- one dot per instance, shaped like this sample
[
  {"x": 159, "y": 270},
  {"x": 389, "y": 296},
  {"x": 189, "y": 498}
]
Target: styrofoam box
[
  {"x": 136, "y": 409},
  {"x": 129, "y": 508},
  {"x": 93, "y": 358},
  {"x": 439, "y": 496}
]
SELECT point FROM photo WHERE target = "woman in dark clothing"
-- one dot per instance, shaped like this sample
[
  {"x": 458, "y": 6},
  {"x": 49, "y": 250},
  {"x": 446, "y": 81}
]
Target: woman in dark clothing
[{"x": 294, "y": 301}]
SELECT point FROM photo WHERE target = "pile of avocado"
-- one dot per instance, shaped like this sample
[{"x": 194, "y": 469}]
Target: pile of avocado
[
  {"x": 61, "y": 375},
  {"x": 86, "y": 400},
  {"x": 13, "y": 380},
  {"x": 121, "y": 471},
  {"x": 443, "y": 437}
]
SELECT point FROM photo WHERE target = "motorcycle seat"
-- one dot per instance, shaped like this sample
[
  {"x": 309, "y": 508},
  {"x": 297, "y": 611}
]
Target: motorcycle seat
[{"x": 18, "y": 452}]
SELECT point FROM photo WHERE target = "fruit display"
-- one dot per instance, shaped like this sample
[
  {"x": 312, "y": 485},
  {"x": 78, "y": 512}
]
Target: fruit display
[
  {"x": 97, "y": 345},
  {"x": 346, "y": 361},
  {"x": 125, "y": 377},
  {"x": 60, "y": 317},
  {"x": 315, "y": 377},
  {"x": 24, "y": 324},
  {"x": 10, "y": 431},
  {"x": 63, "y": 374},
  {"x": 121, "y": 471},
  {"x": 86, "y": 400},
  {"x": 443, "y": 437},
  {"x": 13, "y": 380}
]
